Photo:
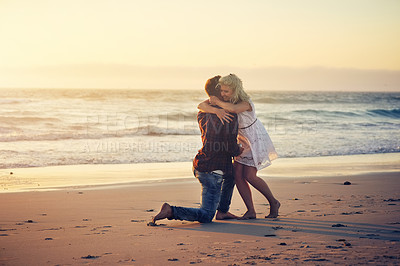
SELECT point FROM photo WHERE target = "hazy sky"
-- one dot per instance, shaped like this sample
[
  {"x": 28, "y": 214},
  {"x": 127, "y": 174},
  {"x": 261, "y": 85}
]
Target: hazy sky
[{"x": 179, "y": 44}]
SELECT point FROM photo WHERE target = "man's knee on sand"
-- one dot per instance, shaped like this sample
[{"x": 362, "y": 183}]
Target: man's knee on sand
[{"x": 207, "y": 216}]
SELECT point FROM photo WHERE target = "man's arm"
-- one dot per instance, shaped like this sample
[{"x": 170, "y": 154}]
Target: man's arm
[{"x": 231, "y": 137}]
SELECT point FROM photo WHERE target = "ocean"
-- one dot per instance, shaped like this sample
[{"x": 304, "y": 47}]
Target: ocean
[{"x": 49, "y": 127}]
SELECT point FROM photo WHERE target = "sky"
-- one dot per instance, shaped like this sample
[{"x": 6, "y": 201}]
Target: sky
[{"x": 271, "y": 45}]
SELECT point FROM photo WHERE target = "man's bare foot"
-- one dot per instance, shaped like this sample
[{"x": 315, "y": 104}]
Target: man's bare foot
[
  {"x": 165, "y": 212},
  {"x": 225, "y": 216},
  {"x": 274, "y": 210},
  {"x": 248, "y": 215}
]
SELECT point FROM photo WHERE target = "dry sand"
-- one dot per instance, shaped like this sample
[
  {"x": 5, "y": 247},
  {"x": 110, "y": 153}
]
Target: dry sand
[{"x": 321, "y": 222}]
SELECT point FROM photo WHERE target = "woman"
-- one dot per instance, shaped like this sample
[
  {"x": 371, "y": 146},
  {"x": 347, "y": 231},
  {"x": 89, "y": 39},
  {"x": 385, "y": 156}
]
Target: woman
[{"x": 258, "y": 148}]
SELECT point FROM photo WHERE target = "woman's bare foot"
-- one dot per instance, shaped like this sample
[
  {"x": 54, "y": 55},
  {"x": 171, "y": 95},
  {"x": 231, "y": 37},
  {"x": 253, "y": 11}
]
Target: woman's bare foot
[
  {"x": 225, "y": 216},
  {"x": 274, "y": 210},
  {"x": 248, "y": 215},
  {"x": 165, "y": 212}
]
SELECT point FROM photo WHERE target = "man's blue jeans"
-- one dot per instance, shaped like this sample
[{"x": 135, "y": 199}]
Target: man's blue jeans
[
  {"x": 228, "y": 183},
  {"x": 212, "y": 197}
]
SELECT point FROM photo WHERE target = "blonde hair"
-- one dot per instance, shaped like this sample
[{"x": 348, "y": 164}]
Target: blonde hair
[{"x": 236, "y": 85}]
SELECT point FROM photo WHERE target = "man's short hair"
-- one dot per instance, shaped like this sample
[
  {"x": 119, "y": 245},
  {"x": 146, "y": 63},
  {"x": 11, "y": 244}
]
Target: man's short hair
[{"x": 212, "y": 87}]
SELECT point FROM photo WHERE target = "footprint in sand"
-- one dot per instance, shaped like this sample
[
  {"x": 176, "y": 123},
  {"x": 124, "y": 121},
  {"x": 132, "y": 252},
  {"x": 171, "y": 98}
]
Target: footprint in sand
[{"x": 90, "y": 257}]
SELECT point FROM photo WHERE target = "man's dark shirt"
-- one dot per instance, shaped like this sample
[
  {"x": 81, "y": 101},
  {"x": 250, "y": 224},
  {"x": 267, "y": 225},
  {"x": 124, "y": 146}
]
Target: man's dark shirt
[{"x": 219, "y": 144}]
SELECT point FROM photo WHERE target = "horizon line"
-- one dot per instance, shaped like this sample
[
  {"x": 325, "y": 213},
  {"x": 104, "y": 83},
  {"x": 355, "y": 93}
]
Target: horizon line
[{"x": 192, "y": 89}]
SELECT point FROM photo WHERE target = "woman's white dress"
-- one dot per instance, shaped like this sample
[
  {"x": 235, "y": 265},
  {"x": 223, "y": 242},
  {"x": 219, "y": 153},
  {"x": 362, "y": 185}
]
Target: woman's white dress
[{"x": 258, "y": 148}]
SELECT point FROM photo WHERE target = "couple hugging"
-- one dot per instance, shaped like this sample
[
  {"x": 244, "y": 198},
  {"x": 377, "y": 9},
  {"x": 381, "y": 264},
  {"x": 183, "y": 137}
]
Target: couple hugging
[{"x": 229, "y": 129}]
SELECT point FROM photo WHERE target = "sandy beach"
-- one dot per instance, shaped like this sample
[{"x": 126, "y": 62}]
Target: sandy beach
[
  {"x": 321, "y": 222},
  {"x": 105, "y": 104}
]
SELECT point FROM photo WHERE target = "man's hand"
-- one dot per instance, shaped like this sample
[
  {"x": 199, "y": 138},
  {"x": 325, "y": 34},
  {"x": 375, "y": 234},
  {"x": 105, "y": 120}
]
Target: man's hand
[{"x": 241, "y": 148}]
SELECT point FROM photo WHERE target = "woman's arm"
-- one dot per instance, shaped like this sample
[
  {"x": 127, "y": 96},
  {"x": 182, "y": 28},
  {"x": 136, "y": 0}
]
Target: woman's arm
[
  {"x": 205, "y": 107},
  {"x": 223, "y": 115},
  {"x": 230, "y": 107}
]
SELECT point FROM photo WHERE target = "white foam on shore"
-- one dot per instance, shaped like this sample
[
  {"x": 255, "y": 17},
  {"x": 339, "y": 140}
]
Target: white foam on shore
[
  {"x": 332, "y": 165},
  {"x": 79, "y": 176}
]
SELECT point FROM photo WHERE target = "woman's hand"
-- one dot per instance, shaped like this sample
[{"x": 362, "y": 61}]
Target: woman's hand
[
  {"x": 214, "y": 100},
  {"x": 224, "y": 116}
]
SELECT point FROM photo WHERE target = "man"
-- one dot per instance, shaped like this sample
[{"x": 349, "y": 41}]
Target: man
[{"x": 212, "y": 166}]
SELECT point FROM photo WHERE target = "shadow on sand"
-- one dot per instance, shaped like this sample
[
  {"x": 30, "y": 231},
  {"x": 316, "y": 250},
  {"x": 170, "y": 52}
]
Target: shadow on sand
[{"x": 278, "y": 227}]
